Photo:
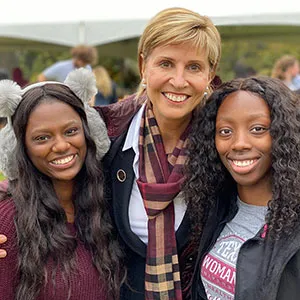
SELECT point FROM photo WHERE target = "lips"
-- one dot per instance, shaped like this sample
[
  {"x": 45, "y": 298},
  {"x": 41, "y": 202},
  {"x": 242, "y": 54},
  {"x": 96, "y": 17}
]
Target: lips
[
  {"x": 64, "y": 162},
  {"x": 176, "y": 97},
  {"x": 243, "y": 166}
]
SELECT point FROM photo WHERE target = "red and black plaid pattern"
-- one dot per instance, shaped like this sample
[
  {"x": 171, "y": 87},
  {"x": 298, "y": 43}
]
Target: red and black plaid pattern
[{"x": 160, "y": 181}]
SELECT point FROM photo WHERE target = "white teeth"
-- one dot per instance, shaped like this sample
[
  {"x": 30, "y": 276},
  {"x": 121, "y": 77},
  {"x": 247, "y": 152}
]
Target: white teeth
[
  {"x": 176, "y": 98},
  {"x": 243, "y": 163},
  {"x": 63, "y": 161}
]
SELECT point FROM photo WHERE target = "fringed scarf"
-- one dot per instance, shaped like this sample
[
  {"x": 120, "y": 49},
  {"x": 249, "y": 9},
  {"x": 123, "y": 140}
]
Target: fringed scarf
[{"x": 160, "y": 181}]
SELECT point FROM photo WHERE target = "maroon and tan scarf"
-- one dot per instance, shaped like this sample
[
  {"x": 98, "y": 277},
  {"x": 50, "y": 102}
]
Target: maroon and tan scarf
[{"x": 160, "y": 181}]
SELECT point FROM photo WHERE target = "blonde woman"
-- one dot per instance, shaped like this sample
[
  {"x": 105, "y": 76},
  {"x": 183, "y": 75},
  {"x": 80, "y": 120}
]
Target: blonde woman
[
  {"x": 106, "y": 87},
  {"x": 286, "y": 69}
]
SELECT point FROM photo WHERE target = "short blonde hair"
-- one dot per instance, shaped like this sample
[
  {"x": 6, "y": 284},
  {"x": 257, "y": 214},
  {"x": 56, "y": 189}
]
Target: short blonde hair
[
  {"x": 180, "y": 25},
  {"x": 281, "y": 66}
]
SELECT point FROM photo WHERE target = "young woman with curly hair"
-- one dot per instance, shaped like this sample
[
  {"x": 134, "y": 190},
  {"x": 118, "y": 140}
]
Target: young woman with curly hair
[
  {"x": 60, "y": 239},
  {"x": 243, "y": 189}
]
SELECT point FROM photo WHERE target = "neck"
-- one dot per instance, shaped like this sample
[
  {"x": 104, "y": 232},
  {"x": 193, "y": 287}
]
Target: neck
[
  {"x": 171, "y": 131},
  {"x": 288, "y": 78},
  {"x": 64, "y": 192},
  {"x": 259, "y": 195}
]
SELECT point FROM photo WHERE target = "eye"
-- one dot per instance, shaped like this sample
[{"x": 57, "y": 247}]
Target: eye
[
  {"x": 71, "y": 131},
  {"x": 259, "y": 129},
  {"x": 42, "y": 138},
  {"x": 165, "y": 64},
  {"x": 225, "y": 132},
  {"x": 194, "y": 67}
]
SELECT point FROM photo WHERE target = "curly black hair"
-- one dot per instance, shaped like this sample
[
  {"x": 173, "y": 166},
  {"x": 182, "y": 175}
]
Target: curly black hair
[
  {"x": 41, "y": 222},
  {"x": 206, "y": 175}
]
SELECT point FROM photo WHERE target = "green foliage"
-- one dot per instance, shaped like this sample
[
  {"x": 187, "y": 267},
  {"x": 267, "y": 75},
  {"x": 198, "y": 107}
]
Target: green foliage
[
  {"x": 33, "y": 62},
  {"x": 256, "y": 54},
  {"x": 242, "y": 47},
  {"x": 1, "y": 177}
]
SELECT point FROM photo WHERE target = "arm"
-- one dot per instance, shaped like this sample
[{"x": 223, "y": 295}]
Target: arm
[
  {"x": 50, "y": 73},
  {"x": 41, "y": 77}
]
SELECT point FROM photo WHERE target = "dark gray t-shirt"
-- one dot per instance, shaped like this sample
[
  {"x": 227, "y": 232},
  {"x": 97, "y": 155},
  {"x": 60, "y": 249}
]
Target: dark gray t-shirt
[{"x": 219, "y": 265}]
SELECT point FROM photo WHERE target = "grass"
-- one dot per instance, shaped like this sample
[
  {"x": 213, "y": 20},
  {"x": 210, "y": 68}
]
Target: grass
[{"x": 1, "y": 177}]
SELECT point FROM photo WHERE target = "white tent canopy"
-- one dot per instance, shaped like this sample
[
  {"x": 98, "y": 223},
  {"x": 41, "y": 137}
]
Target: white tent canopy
[
  {"x": 103, "y": 32},
  {"x": 68, "y": 23}
]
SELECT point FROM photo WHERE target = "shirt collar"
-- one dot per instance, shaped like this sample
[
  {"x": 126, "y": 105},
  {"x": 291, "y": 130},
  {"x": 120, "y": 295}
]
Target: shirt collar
[{"x": 132, "y": 137}]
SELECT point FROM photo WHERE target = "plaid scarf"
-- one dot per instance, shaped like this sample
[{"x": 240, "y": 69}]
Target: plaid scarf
[{"x": 159, "y": 183}]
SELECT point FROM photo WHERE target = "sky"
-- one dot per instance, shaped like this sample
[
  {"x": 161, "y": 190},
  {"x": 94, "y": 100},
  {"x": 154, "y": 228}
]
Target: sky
[{"x": 36, "y": 11}]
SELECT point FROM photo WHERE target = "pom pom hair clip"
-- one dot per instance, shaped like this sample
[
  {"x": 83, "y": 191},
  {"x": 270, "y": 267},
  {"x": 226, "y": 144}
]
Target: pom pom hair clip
[{"x": 82, "y": 82}]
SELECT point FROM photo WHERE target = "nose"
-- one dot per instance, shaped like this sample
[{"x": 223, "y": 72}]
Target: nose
[
  {"x": 241, "y": 142},
  {"x": 178, "y": 79},
  {"x": 60, "y": 144}
]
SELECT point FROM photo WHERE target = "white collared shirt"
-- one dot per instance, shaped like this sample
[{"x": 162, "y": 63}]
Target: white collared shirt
[{"x": 137, "y": 214}]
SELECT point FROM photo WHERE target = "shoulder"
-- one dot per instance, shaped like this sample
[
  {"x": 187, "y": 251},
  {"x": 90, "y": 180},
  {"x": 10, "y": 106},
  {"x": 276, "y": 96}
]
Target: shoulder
[
  {"x": 117, "y": 116},
  {"x": 62, "y": 63},
  {"x": 58, "y": 65}
]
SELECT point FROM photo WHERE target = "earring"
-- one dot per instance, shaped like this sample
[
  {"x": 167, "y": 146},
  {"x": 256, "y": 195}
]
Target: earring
[
  {"x": 144, "y": 85},
  {"x": 205, "y": 93}
]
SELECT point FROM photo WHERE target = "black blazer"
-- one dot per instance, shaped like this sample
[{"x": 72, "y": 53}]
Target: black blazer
[{"x": 120, "y": 175}]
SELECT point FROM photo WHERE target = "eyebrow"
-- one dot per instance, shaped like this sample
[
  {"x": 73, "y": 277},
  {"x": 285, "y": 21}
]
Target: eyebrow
[
  {"x": 251, "y": 116},
  {"x": 70, "y": 123},
  {"x": 172, "y": 59}
]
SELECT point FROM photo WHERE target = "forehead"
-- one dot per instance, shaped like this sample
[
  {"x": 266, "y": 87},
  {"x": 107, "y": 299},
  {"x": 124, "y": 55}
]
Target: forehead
[
  {"x": 241, "y": 104},
  {"x": 51, "y": 112},
  {"x": 188, "y": 50}
]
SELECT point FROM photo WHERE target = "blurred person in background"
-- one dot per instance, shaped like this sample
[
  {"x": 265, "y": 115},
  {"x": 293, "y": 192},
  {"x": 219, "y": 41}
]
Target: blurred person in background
[
  {"x": 107, "y": 88},
  {"x": 286, "y": 69},
  {"x": 82, "y": 56}
]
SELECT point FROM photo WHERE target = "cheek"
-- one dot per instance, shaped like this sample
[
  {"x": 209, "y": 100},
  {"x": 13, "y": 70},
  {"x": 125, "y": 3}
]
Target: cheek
[
  {"x": 82, "y": 145},
  {"x": 153, "y": 79},
  {"x": 220, "y": 146}
]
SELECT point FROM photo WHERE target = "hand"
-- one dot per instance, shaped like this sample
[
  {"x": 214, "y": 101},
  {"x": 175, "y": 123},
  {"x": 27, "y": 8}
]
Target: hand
[{"x": 3, "y": 239}]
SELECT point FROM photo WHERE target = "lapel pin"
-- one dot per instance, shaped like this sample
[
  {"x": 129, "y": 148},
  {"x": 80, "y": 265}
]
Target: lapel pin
[{"x": 121, "y": 175}]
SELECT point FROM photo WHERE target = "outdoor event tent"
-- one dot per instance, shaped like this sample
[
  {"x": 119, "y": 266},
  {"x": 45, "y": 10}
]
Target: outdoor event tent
[
  {"x": 33, "y": 24},
  {"x": 68, "y": 34}
]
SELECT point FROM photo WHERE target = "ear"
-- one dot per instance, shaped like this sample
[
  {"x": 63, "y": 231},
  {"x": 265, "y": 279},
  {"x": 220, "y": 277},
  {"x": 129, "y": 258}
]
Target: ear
[
  {"x": 211, "y": 76},
  {"x": 141, "y": 65}
]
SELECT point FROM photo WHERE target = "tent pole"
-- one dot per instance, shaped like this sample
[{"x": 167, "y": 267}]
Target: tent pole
[{"x": 82, "y": 33}]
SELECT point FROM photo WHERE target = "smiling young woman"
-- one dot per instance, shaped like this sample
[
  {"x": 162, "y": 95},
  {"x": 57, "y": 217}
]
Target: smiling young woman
[
  {"x": 243, "y": 186},
  {"x": 60, "y": 240}
]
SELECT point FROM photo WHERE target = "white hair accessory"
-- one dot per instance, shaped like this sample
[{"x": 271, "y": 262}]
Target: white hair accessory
[
  {"x": 82, "y": 82},
  {"x": 10, "y": 97}
]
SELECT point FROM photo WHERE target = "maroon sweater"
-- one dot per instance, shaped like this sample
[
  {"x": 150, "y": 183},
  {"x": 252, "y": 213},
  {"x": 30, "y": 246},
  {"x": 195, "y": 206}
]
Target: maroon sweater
[{"x": 84, "y": 283}]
